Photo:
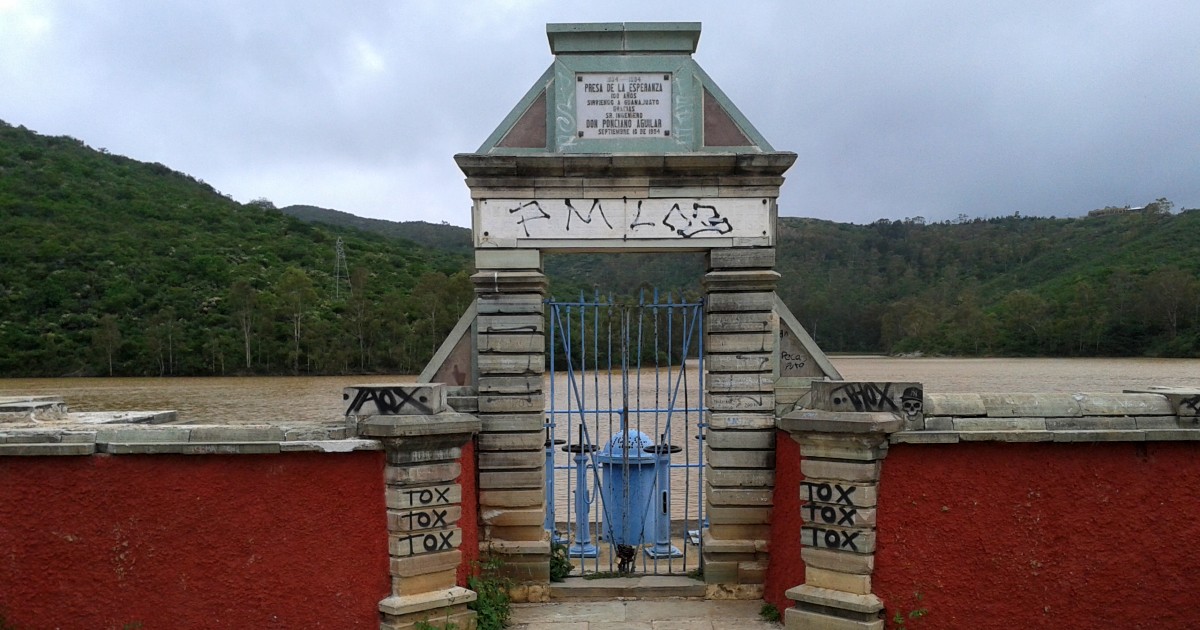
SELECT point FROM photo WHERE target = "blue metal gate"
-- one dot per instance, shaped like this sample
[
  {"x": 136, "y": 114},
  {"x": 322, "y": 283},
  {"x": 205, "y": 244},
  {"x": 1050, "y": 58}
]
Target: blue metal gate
[{"x": 624, "y": 483}]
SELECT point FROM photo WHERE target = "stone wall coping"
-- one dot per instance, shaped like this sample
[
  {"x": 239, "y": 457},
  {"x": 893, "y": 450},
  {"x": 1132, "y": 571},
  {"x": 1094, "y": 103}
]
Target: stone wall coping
[
  {"x": 622, "y": 165},
  {"x": 1010, "y": 434},
  {"x": 195, "y": 439},
  {"x": 1057, "y": 405},
  {"x": 819, "y": 421}
]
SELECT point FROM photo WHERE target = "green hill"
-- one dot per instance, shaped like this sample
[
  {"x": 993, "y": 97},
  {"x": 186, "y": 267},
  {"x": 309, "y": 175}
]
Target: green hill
[
  {"x": 113, "y": 265},
  {"x": 110, "y": 265}
]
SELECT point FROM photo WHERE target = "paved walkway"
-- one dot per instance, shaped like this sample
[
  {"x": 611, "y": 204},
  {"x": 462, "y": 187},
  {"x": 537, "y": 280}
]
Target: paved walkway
[{"x": 645, "y": 614}]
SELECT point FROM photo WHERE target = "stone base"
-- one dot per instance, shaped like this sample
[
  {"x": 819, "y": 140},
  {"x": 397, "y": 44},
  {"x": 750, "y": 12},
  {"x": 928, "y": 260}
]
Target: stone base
[
  {"x": 795, "y": 618},
  {"x": 733, "y": 591},
  {"x": 456, "y": 617}
]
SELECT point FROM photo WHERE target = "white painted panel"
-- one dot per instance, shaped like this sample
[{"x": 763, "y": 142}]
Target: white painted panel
[{"x": 513, "y": 221}]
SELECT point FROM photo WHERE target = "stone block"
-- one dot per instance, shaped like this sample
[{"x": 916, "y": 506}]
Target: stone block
[
  {"x": 509, "y": 460},
  {"x": 741, "y": 258},
  {"x": 740, "y": 459},
  {"x": 755, "y": 322},
  {"x": 487, "y": 324},
  {"x": 739, "y": 343},
  {"x": 499, "y": 403},
  {"x": 421, "y": 474},
  {"x": 839, "y": 492},
  {"x": 391, "y": 399},
  {"x": 146, "y": 434},
  {"x": 423, "y": 518},
  {"x": 740, "y": 382},
  {"x": 740, "y": 531},
  {"x": 416, "y": 543},
  {"x": 524, "y": 384},
  {"x": 741, "y": 280},
  {"x": 819, "y": 421},
  {"x": 904, "y": 398},
  {"x": 511, "y": 364},
  {"x": 1106, "y": 404},
  {"x": 1018, "y": 405},
  {"x": 740, "y": 302},
  {"x": 506, "y": 304},
  {"x": 751, "y": 572},
  {"x": 402, "y": 457},
  {"x": 720, "y": 571},
  {"x": 837, "y": 469},
  {"x": 491, "y": 480},
  {"x": 1011, "y": 435},
  {"x": 999, "y": 424},
  {"x": 737, "y": 362},
  {"x": 526, "y": 441},
  {"x": 724, "y": 515},
  {"x": 939, "y": 423},
  {"x": 827, "y": 598},
  {"x": 958, "y": 404},
  {"x": 1091, "y": 423},
  {"x": 509, "y": 282},
  {"x": 512, "y": 498},
  {"x": 837, "y": 581},
  {"x": 739, "y": 478},
  {"x": 739, "y": 496},
  {"x": 46, "y": 449},
  {"x": 503, "y": 517},
  {"x": 513, "y": 532},
  {"x": 799, "y": 618},
  {"x": 508, "y": 259},
  {"x": 1156, "y": 422},
  {"x": 404, "y": 604},
  {"x": 841, "y": 561},
  {"x": 764, "y": 402},
  {"x": 512, "y": 422},
  {"x": 838, "y": 538},
  {"x": 924, "y": 437},
  {"x": 235, "y": 433},
  {"x": 1098, "y": 436},
  {"x": 425, "y": 563},
  {"x": 510, "y": 343},
  {"x": 409, "y": 497},
  {"x": 851, "y": 447},
  {"x": 821, "y": 514},
  {"x": 1169, "y": 435},
  {"x": 410, "y": 585},
  {"x": 740, "y": 440},
  {"x": 738, "y": 421}
]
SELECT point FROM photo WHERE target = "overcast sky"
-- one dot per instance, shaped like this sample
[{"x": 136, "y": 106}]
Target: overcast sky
[{"x": 896, "y": 109}]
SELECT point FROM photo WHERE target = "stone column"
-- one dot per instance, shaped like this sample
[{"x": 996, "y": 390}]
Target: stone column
[
  {"x": 841, "y": 457},
  {"x": 741, "y": 327},
  {"x": 511, "y": 352},
  {"x": 423, "y": 441}
]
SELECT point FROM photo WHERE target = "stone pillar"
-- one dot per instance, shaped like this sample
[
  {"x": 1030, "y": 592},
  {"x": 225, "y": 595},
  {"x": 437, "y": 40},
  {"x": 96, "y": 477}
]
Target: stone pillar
[
  {"x": 511, "y": 347},
  {"x": 423, "y": 441},
  {"x": 841, "y": 457},
  {"x": 741, "y": 327}
]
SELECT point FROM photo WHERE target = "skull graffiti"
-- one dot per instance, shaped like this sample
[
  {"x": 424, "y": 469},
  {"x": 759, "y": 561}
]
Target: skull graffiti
[{"x": 911, "y": 401}]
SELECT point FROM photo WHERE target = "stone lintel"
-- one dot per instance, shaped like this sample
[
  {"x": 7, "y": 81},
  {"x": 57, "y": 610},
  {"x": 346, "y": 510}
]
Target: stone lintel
[
  {"x": 417, "y": 428},
  {"x": 741, "y": 280},
  {"x": 404, "y": 604},
  {"x": 866, "y": 604},
  {"x": 742, "y": 258},
  {"x": 508, "y": 259},
  {"x": 496, "y": 281},
  {"x": 856, "y": 422}
]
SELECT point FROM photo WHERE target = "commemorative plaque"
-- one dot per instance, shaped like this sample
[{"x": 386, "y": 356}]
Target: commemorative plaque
[{"x": 623, "y": 106}]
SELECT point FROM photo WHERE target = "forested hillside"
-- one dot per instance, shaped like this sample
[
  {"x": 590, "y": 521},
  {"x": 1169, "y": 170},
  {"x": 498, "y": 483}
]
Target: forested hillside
[
  {"x": 110, "y": 265},
  {"x": 1126, "y": 285}
]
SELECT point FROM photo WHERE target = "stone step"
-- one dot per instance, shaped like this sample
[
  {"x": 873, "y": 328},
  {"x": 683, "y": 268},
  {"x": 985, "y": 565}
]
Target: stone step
[{"x": 633, "y": 587}]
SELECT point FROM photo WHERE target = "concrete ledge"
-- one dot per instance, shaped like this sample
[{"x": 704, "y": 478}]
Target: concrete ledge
[
  {"x": 1011, "y": 434},
  {"x": 144, "y": 439},
  {"x": 402, "y": 605}
]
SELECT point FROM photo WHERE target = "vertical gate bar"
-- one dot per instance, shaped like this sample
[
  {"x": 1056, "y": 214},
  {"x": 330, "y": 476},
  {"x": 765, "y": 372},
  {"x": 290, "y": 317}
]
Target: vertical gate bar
[{"x": 550, "y": 523}]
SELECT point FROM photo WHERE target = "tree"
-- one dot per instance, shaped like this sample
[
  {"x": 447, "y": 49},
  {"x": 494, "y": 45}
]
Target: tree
[
  {"x": 107, "y": 338},
  {"x": 297, "y": 297},
  {"x": 242, "y": 300}
]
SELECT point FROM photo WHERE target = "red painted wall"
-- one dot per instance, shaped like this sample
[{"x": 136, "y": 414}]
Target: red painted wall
[
  {"x": 469, "y": 524},
  {"x": 170, "y": 541},
  {"x": 785, "y": 567},
  {"x": 997, "y": 535}
]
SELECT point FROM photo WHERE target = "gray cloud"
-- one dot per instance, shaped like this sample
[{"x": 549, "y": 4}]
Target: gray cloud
[{"x": 896, "y": 109}]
